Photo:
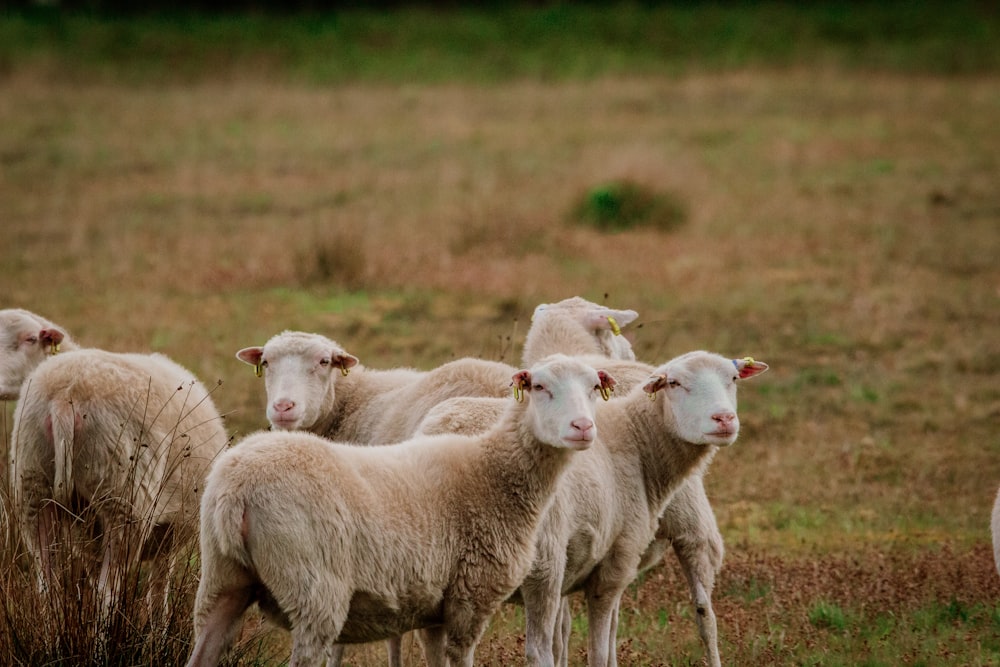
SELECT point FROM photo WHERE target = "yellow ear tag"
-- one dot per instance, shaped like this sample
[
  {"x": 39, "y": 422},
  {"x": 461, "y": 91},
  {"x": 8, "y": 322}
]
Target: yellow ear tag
[
  {"x": 606, "y": 392},
  {"x": 258, "y": 370},
  {"x": 749, "y": 361},
  {"x": 652, "y": 395},
  {"x": 344, "y": 370},
  {"x": 615, "y": 329},
  {"x": 55, "y": 349},
  {"x": 518, "y": 392}
]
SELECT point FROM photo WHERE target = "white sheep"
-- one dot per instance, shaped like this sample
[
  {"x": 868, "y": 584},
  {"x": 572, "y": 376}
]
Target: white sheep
[
  {"x": 578, "y": 327},
  {"x": 313, "y": 384},
  {"x": 26, "y": 340},
  {"x": 355, "y": 544},
  {"x": 605, "y": 525},
  {"x": 995, "y": 530},
  {"x": 131, "y": 437}
]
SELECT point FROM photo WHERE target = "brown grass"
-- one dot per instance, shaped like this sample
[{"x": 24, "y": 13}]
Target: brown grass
[{"x": 841, "y": 227}]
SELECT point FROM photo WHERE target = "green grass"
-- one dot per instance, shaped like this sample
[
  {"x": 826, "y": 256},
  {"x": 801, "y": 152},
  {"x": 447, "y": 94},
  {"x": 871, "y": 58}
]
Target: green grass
[{"x": 558, "y": 41}]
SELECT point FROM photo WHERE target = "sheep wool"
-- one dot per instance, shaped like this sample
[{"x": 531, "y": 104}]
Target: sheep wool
[
  {"x": 355, "y": 544},
  {"x": 130, "y": 435}
]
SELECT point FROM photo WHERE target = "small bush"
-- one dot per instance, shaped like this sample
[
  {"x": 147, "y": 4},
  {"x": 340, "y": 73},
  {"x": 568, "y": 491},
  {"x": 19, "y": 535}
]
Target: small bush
[
  {"x": 333, "y": 256},
  {"x": 622, "y": 205}
]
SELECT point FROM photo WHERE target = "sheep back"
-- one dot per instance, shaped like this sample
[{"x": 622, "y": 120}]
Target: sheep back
[{"x": 126, "y": 422}]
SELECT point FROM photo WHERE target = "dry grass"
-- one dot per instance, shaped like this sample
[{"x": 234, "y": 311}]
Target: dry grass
[{"x": 841, "y": 227}]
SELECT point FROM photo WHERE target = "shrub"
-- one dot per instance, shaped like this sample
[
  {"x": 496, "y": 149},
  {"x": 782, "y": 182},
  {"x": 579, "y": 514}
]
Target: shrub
[{"x": 621, "y": 205}]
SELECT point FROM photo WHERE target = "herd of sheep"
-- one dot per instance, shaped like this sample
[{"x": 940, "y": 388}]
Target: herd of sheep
[{"x": 489, "y": 483}]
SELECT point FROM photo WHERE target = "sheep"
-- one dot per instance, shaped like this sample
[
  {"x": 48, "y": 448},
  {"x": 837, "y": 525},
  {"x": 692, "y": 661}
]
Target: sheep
[
  {"x": 129, "y": 436},
  {"x": 312, "y": 384},
  {"x": 386, "y": 406},
  {"x": 597, "y": 540},
  {"x": 353, "y": 544},
  {"x": 578, "y": 327},
  {"x": 995, "y": 530},
  {"x": 26, "y": 340}
]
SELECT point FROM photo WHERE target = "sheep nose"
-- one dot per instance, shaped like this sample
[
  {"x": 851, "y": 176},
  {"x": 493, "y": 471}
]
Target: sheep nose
[
  {"x": 284, "y": 405},
  {"x": 583, "y": 425},
  {"x": 725, "y": 418}
]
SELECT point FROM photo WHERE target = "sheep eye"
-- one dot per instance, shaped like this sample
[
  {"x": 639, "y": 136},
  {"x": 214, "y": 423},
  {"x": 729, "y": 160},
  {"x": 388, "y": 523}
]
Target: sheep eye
[
  {"x": 537, "y": 387},
  {"x": 325, "y": 361},
  {"x": 263, "y": 364},
  {"x": 31, "y": 340},
  {"x": 673, "y": 383}
]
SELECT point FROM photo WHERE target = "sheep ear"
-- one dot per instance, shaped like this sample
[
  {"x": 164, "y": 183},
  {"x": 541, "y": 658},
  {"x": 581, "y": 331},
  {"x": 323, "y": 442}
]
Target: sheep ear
[
  {"x": 610, "y": 319},
  {"x": 520, "y": 382},
  {"x": 747, "y": 367},
  {"x": 655, "y": 384},
  {"x": 51, "y": 338},
  {"x": 345, "y": 361},
  {"x": 250, "y": 355},
  {"x": 607, "y": 384},
  {"x": 539, "y": 308}
]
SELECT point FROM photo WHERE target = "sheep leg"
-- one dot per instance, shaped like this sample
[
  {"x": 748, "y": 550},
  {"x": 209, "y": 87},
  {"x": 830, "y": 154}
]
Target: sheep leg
[
  {"x": 44, "y": 543},
  {"x": 161, "y": 574},
  {"x": 465, "y": 623},
  {"x": 307, "y": 649},
  {"x": 122, "y": 540},
  {"x": 217, "y": 621},
  {"x": 689, "y": 524},
  {"x": 433, "y": 640},
  {"x": 316, "y": 616},
  {"x": 707, "y": 626},
  {"x": 394, "y": 649},
  {"x": 158, "y": 586},
  {"x": 460, "y": 651},
  {"x": 613, "y": 636},
  {"x": 38, "y": 517},
  {"x": 560, "y": 645},
  {"x": 601, "y": 645},
  {"x": 542, "y": 613},
  {"x": 335, "y": 655},
  {"x": 695, "y": 564}
]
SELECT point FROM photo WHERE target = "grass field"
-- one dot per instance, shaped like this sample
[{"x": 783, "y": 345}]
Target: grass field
[{"x": 411, "y": 191}]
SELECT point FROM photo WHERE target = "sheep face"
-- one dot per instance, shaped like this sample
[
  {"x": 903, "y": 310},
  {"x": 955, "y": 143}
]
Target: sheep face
[
  {"x": 300, "y": 371},
  {"x": 562, "y": 393},
  {"x": 699, "y": 395},
  {"x": 25, "y": 342}
]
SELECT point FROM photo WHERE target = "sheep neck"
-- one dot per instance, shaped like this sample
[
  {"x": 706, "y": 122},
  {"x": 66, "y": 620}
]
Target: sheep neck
[
  {"x": 665, "y": 459},
  {"x": 524, "y": 469},
  {"x": 351, "y": 395},
  {"x": 344, "y": 397},
  {"x": 360, "y": 398}
]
